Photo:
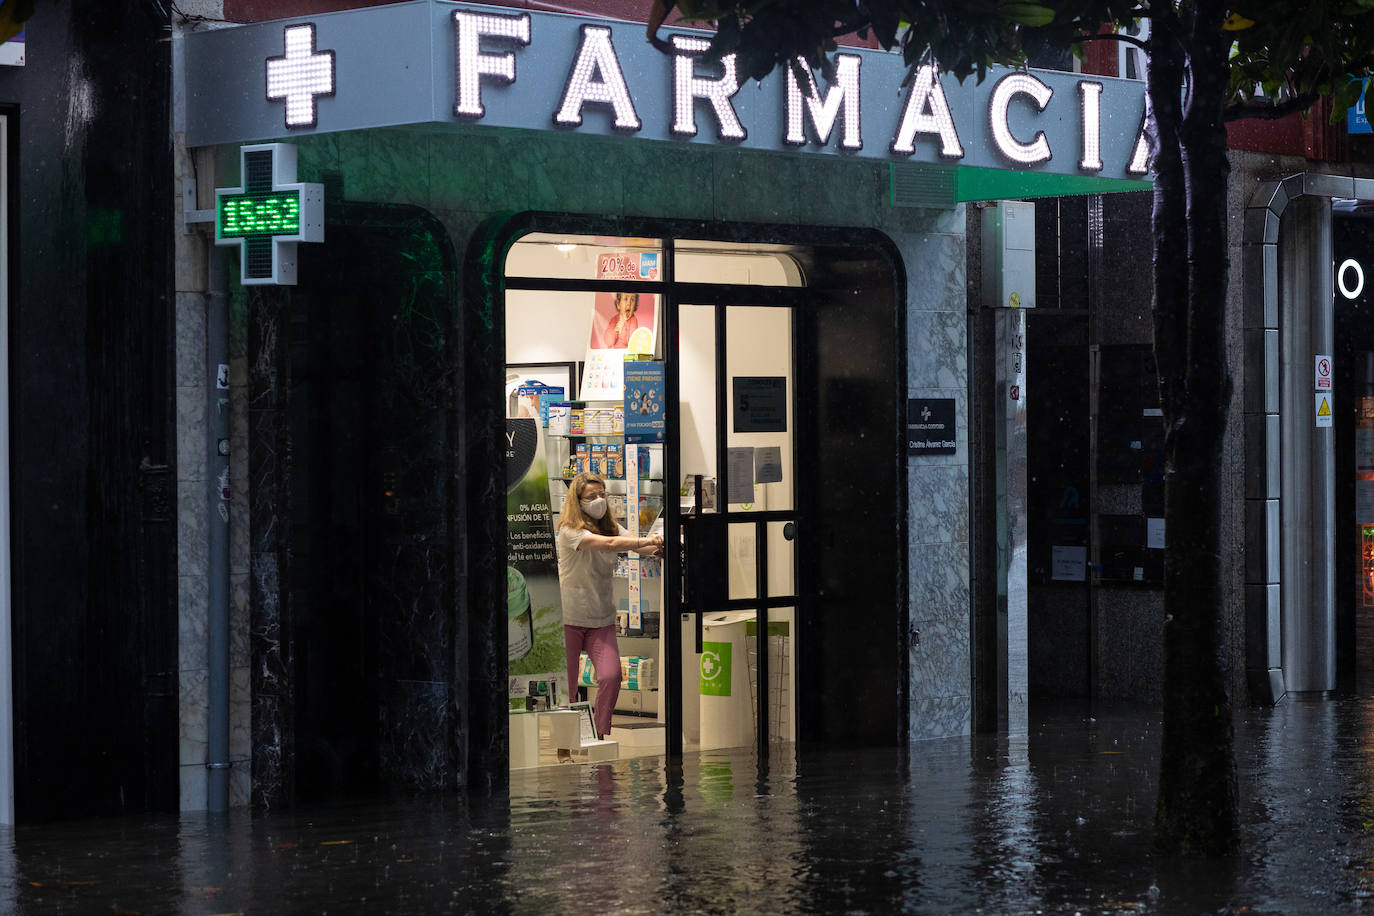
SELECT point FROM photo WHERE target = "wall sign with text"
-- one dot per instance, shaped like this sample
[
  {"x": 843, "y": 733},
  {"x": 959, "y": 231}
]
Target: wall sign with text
[{"x": 930, "y": 427}]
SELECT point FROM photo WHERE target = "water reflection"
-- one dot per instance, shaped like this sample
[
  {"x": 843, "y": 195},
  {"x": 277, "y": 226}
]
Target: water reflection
[{"x": 1056, "y": 821}]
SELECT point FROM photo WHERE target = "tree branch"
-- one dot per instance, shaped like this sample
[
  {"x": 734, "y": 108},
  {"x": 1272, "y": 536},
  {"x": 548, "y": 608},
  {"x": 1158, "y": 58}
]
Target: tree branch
[
  {"x": 1240, "y": 110},
  {"x": 1114, "y": 36}
]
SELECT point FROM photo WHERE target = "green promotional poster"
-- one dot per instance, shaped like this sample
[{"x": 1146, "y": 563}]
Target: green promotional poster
[
  {"x": 715, "y": 669},
  {"x": 532, "y": 596}
]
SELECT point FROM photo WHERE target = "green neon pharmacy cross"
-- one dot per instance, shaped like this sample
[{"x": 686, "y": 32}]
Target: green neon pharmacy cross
[{"x": 269, "y": 214}]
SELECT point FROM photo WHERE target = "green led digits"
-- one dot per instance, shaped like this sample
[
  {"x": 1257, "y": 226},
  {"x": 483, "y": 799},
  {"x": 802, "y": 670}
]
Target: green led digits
[{"x": 247, "y": 215}]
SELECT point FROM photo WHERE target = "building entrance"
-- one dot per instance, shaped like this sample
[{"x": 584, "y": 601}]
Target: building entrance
[{"x": 738, "y": 399}]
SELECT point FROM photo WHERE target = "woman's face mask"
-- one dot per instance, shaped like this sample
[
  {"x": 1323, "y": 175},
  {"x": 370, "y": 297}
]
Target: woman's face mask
[{"x": 594, "y": 508}]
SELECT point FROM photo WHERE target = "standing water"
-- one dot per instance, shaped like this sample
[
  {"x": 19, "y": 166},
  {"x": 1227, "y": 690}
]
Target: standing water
[{"x": 1058, "y": 821}]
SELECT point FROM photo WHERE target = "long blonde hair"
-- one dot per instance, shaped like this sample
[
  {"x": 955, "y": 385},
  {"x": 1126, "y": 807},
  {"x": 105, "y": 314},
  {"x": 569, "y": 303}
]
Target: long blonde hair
[{"x": 572, "y": 516}]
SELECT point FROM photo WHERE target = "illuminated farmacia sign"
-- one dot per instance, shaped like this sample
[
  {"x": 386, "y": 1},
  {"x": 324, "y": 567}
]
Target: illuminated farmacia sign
[{"x": 437, "y": 61}]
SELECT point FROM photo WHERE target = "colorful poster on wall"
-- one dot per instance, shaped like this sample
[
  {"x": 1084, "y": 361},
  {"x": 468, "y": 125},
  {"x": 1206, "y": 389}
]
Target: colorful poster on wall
[
  {"x": 645, "y": 411},
  {"x": 622, "y": 322},
  {"x": 533, "y": 605}
]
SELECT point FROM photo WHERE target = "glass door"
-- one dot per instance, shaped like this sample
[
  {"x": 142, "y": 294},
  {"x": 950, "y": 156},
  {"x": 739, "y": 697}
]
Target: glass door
[{"x": 732, "y": 577}]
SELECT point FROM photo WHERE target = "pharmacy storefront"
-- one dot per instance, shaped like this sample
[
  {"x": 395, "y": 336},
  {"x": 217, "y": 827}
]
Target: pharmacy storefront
[{"x": 473, "y": 251}]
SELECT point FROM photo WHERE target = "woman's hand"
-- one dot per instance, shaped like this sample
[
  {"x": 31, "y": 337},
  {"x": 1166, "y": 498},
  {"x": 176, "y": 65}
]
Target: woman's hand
[{"x": 655, "y": 548}]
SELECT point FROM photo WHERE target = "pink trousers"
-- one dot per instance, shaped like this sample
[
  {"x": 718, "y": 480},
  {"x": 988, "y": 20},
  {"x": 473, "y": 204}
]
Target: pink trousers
[{"x": 602, "y": 648}]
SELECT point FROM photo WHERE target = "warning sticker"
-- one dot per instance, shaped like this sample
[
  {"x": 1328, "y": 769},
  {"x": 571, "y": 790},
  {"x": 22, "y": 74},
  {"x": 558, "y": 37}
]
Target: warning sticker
[{"x": 1323, "y": 409}]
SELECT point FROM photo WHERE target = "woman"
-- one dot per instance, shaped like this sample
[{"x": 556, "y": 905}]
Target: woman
[{"x": 589, "y": 537}]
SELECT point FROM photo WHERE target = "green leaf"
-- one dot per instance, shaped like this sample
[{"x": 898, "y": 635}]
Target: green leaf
[{"x": 1027, "y": 14}]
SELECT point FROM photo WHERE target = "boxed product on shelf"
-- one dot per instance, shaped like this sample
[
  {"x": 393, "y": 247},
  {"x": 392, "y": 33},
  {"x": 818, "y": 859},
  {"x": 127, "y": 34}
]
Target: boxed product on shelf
[
  {"x": 577, "y": 418},
  {"x": 637, "y": 672},
  {"x": 596, "y": 459},
  {"x": 581, "y": 452},
  {"x": 644, "y": 465},
  {"x": 599, "y": 421},
  {"x": 560, "y": 418},
  {"x": 615, "y": 460},
  {"x": 618, "y": 419}
]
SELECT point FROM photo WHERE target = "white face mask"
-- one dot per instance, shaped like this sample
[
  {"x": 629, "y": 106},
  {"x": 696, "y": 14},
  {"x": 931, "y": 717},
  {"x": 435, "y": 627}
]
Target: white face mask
[{"x": 594, "y": 508}]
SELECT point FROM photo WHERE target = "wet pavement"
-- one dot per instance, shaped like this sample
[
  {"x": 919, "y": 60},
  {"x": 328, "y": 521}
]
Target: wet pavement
[{"x": 1054, "y": 822}]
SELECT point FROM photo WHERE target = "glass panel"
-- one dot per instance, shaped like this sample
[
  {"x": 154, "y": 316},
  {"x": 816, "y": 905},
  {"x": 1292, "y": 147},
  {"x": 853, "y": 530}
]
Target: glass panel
[
  {"x": 782, "y": 552},
  {"x": 724, "y": 673},
  {"x": 782, "y": 670},
  {"x": 759, "y": 404},
  {"x": 698, "y": 261},
  {"x": 585, "y": 257},
  {"x": 725, "y": 678},
  {"x": 697, "y": 388},
  {"x": 742, "y": 540}
]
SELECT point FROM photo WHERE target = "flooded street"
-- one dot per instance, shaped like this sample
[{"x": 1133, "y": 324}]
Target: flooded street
[{"x": 1056, "y": 822}]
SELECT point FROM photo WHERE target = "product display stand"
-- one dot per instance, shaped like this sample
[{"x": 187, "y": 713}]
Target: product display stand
[
  {"x": 565, "y": 733},
  {"x": 524, "y": 740}
]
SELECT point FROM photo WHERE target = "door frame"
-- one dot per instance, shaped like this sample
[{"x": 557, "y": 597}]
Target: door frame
[
  {"x": 6, "y": 605},
  {"x": 720, "y": 298},
  {"x": 484, "y": 286}
]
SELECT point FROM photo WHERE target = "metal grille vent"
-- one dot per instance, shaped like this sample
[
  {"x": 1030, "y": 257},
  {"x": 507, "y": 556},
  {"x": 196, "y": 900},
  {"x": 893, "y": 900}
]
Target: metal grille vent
[
  {"x": 257, "y": 166},
  {"x": 930, "y": 187}
]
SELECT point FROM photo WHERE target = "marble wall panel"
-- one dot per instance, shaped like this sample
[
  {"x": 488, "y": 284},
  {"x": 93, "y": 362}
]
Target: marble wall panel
[
  {"x": 317, "y": 156},
  {"x": 239, "y": 600},
  {"x": 191, "y": 436},
  {"x": 193, "y": 528},
  {"x": 240, "y": 713},
  {"x": 241, "y": 784},
  {"x": 192, "y": 779},
  {"x": 385, "y": 166},
  {"x": 840, "y": 192},
  {"x": 271, "y": 761},
  {"x": 942, "y": 717},
  {"x": 936, "y": 271},
  {"x": 937, "y": 348},
  {"x": 939, "y": 503},
  {"x": 900, "y": 222},
  {"x": 193, "y": 722},
  {"x": 660, "y": 178},
  {"x": 193, "y": 599},
  {"x": 414, "y": 733},
  {"x": 939, "y": 577},
  {"x": 939, "y": 656},
  {"x": 190, "y": 341},
  {"x": 759, "y": 189}
]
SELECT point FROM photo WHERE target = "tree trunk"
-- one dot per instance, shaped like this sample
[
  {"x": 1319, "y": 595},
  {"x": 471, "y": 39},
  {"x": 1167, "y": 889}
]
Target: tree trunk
[{"x": 1196, "y": 812}]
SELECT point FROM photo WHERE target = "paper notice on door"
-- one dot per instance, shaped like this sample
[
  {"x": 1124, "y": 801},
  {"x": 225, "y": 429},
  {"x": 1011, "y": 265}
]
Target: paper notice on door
[
  {"x": 1068, "y": 563},
  {"x": 1154, "y": 533},
  {"x": 740, "y": 465},
  {"x": 768, "y": 464}
]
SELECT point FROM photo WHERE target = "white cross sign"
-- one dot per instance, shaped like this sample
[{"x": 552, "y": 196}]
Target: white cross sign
[{"x": 300, "y": 75}]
